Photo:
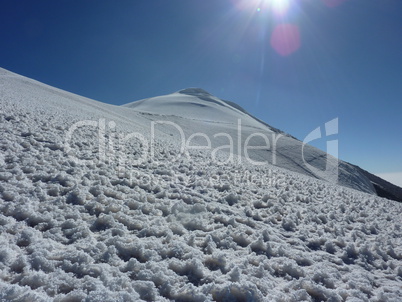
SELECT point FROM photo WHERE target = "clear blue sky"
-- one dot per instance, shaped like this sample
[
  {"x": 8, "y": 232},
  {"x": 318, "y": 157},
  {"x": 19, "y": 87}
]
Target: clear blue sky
[{"x": 295, "y": 64}]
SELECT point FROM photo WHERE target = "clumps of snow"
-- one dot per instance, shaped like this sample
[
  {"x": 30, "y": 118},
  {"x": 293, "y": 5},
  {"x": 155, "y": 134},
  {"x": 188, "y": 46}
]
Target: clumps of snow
[
  {"x": 237, "y": 292},
  {"x": 176, "y": 229}
]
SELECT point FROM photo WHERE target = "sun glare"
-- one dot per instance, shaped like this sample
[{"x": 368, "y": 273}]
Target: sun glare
[
  {"x": 285, "y": 38},
  {"x": 279, "y": 7}
]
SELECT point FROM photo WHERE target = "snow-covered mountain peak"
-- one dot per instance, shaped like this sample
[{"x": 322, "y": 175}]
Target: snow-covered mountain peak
[
  {"x": 202, "y": 95},
  {"x": 196, "y": 104},
  {"x": 194, "y": 91}
]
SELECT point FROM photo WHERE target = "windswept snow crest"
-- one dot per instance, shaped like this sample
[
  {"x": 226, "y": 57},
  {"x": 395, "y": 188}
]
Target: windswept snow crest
[{"x": 76, "y": 225}]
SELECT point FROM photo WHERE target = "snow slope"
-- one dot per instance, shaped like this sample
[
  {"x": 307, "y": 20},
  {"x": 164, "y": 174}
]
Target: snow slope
[
  {"x": 194, "y": 104},
  {"x": 80, "y": 226},
  {"x": 194, "y": 109}
]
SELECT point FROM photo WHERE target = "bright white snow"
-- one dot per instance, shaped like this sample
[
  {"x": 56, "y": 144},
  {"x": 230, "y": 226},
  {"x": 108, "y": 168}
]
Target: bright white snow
[{"x": 173, "y": 227}]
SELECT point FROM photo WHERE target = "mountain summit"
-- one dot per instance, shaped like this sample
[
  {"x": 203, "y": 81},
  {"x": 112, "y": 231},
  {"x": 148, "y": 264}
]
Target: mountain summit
[
  {"x": 195, "y": 104},
  {"x": 194, "y": 109},
  {"x": 199, "y": 92}
]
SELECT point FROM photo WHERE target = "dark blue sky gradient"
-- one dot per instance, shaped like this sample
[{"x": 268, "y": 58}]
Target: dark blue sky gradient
[{"x": 349, "y": 64}]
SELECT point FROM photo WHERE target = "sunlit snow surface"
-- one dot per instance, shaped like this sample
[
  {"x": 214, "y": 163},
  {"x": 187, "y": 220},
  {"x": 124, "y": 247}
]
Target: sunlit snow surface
[{"x": 174, "y": 228}]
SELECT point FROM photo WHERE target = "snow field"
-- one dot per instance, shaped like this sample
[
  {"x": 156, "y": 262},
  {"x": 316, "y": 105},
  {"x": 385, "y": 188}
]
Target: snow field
[
  {"x": 181, "y": 231},
  {"x": 173, "y": 228}
]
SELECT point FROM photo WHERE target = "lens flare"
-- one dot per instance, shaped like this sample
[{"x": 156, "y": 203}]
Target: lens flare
[{"x": 285, "y": 39}]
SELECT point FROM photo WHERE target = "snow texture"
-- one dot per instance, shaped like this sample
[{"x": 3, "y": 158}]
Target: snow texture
[{"x": 173, "y": 227}]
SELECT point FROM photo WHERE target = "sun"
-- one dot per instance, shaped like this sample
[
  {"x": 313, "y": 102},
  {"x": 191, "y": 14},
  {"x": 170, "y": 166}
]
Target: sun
[{"x": 279, "y": 7}]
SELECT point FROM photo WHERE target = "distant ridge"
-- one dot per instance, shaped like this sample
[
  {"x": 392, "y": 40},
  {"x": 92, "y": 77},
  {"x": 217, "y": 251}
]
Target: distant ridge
[{"x": 384, "y": 188}]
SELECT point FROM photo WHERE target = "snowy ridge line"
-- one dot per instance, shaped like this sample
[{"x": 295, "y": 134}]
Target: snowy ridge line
[
  {"x": 112, "y": 111},
  {"x": 384, "y": 188},
  {"x": 257, "y": 119},
  {"x": 192, "y": 106},
  {"x": 180, "y": 106},
  {"x": 176, "y": 230}
]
